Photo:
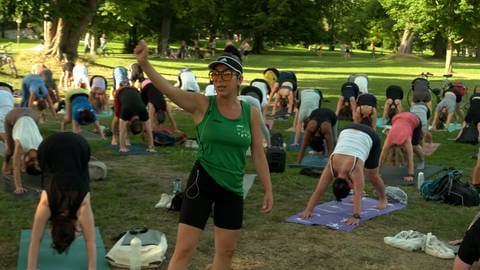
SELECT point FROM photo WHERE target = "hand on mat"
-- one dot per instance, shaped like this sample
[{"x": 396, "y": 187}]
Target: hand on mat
[
  {"x": 20, "y": 190},
  {"x": 352, "y": 221},
  {"x": 305, "y": 214},
  {"x": 267, "y": 202}
]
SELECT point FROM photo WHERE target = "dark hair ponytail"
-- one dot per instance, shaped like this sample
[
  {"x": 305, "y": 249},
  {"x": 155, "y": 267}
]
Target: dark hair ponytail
[{"x": 63, "y": 233}]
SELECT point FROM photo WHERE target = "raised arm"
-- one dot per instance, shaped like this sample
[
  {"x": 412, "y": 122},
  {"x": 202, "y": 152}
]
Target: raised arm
[
  {"x": 260, "y": 160},
  {"x": 42, "y": 214},
  {"x": 194, "y": 103}
]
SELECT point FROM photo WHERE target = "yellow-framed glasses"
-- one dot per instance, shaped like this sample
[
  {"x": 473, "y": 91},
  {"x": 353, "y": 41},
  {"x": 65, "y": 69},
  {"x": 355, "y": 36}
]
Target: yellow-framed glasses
[{"x": 225, "y": 75}]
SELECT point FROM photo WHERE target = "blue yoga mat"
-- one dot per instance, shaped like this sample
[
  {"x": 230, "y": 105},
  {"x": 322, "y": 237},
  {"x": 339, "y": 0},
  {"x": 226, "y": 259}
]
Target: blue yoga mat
[
  {"x": 134, "y": 149},
  {"x": 333, "y": 214},
  {"x": 311, "y": 161},
  {"x": 48, "y": 258},
  {"x": 296, "y": 147}
]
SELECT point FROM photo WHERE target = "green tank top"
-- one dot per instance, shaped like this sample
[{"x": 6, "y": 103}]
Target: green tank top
[{"x": 222, "y": 146}]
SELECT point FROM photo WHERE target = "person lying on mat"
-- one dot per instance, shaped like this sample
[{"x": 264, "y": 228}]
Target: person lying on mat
[
  {"x": 129, "y": 114},
  {"x": 469, "y": 252},
  {"x": 366, "y": 110},
  {"x": 403, "y": 139},
  {"x": 473, "y": 114},
  {"x": 79, "y": 111},
  {"x": 319, "y": 126},
  {"x": 393, "y": 103},
  {"x": 23, "y": 139},
  {"x": 225, "y": 127},
  {"x": 157, "y": 107},
  {"x": 65, "y": 197},
  {"x": 7, "y": 104},
  {"x": 310, "y": 100},
  {"x": 347, "y": 102},
  {"x": 355, "y": 157}
]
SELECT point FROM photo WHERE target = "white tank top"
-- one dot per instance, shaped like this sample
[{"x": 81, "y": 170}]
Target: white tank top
[
  {"x": 354, "y": 143},
  {"x": 26, "y": 132}
]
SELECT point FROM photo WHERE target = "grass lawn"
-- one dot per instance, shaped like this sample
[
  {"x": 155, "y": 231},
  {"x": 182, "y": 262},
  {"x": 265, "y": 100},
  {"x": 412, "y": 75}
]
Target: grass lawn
[{"x": 134, "y": 183}]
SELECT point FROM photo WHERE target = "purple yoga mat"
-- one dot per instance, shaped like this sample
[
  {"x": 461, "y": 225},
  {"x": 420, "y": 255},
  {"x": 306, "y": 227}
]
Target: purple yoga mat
[{"x": 333, "y": 214}]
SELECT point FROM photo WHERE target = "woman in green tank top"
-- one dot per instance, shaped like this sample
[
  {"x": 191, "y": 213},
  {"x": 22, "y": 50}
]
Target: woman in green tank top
[{"x": 225, "y": 129}]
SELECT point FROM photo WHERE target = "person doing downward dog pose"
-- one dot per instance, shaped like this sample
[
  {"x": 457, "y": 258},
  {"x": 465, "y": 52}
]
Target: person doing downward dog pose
[
  {"x": 65, "y": 197},
  {"x": 355, "y": 157},
  {"x": 23, "y": 138},
  {"x": 445, "y": 109},
  {"x": 34, "y": 89},
  {"x": 79, "y": 111},
  {"x": 393, "y": 104},
  {"x": 98, "y": 95},
  {"x": 256, "y": 103},
  {"x": 130, "y": 114},
  {"x": 310, "y": 100},
  {"x": 366, "y": 110},
  {"x": 404, "y": 139},
  {"x": 225, "y": 127},
  {"x": 321, "y": 125},
  {"x": 473, "y": 114},
  {"x": 157, "y": 107},
  {"x": 284, "y": 90},
  {"x": 347, "y": 103},
  {"x": 7, "y": 104}
]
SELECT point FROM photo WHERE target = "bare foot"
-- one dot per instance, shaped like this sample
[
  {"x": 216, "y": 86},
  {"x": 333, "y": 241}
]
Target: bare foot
[{"x": 382, "y": 204}]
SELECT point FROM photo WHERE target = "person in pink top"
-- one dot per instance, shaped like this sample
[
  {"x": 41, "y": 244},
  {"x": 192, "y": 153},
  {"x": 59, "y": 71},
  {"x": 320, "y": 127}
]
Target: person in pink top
[{"x": 402, "y": 141}]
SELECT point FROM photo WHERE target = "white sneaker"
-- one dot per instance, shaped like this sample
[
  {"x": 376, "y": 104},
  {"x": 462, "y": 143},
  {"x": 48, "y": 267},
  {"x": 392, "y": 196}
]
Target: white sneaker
[
  {"x": 165, "y": 201},
  {"x": 432, "y": 246},
  {"x": 406, "y": 240}
]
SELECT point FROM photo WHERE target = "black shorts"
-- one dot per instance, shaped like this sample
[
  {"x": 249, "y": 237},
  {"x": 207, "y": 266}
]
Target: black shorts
[
  {"x": 417, "y": 133},
  {"x": 202, "y": 195}
]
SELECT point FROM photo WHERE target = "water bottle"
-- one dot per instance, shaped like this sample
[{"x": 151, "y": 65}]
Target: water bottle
[
  {"x": 135, "y": 254},
  {"x": 420, "y": 180},
  {"x": 177, "y": 186}
]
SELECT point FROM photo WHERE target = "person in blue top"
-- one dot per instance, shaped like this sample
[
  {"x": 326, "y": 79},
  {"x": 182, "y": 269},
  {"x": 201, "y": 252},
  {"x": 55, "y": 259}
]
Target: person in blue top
[
  {"x": 34, "y": 89},
  {"x": 79, "y": 111},
  {"x": 225, "y": 127}
]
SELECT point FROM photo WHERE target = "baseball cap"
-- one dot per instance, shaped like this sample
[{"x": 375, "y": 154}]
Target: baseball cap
[{"x": 229, "y": 61}]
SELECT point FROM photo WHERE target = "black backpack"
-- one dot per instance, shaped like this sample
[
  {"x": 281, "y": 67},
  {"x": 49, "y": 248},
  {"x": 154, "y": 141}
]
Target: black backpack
[
  {"x": 450, "y": 188},
  {"x": 276, "y": 139}
]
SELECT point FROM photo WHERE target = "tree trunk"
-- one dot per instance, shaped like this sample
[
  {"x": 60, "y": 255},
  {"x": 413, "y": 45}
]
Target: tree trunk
[
  {"x": 406, "y": 44},
  {"x": 162, "y": 43},
  {"x": 63, "y": 34},
  {"x": 257, "y": 44},
  {"x": 439, "y": 48},
  {"x": 448, "y": 57}
]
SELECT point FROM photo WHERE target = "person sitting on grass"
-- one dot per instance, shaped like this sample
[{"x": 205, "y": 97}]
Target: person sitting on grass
[
  {"x": 366, "y": 110},
  {"x": 23, "y": 139},
  {"x": 319, "y": 126},
  {"x": 129, "y": 114},
  {"x": 393, "y": 103},
  {"x": 347, "y": 102},
  {"x": 354, "y": 158},
  {"x": 403, "y": 139},
  {"x": 79, "y": 111},
  {"x": 65, "y": 197}
]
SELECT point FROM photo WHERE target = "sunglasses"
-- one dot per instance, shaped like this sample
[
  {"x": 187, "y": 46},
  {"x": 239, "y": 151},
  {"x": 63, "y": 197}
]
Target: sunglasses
[{"x": 225, "y": 75}]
